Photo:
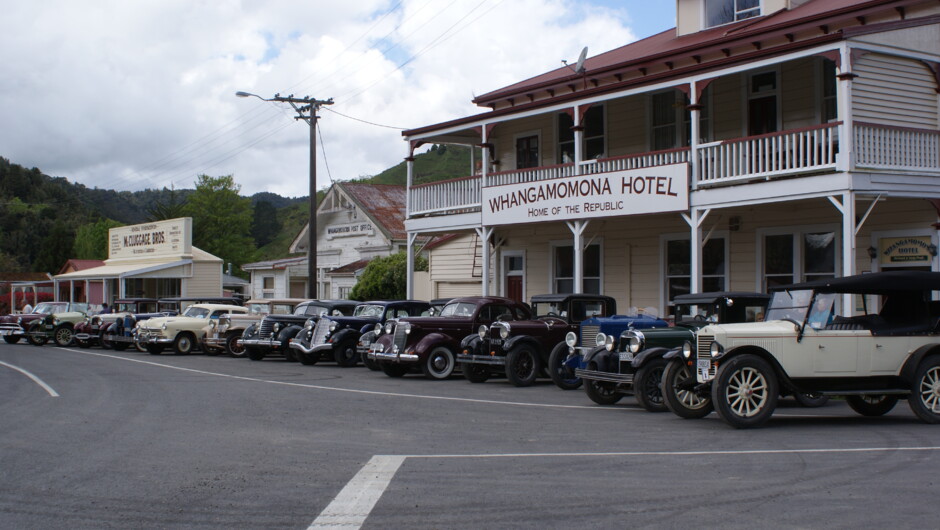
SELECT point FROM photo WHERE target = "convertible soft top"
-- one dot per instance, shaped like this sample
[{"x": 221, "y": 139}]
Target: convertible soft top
[{"x": 873, "y": 283}]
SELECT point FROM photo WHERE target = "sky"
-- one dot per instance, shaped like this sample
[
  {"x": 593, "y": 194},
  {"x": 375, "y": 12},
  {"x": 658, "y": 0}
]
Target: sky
[{"x": 136, "y": 95}]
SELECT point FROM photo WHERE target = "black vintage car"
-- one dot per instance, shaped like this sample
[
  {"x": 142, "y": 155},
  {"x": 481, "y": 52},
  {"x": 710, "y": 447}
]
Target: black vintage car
[
  {"x": 337, "y": 338},
  {"x": 523, "y": 349},
  {"x": 272, "y": 335},
  {"x": 634, "y": 362}
]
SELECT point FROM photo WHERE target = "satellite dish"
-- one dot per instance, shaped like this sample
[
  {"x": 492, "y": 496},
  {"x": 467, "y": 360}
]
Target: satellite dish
[{"x": 579, "y": 68}]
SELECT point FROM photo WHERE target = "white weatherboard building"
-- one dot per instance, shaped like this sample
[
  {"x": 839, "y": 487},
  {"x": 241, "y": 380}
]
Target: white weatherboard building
[
  {"x": 153, "y": 260},
  {"x": 757, "y": 144}
]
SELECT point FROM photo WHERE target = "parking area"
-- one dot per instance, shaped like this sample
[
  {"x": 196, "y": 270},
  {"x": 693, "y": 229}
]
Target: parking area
[{"x": 138, "y": 440}]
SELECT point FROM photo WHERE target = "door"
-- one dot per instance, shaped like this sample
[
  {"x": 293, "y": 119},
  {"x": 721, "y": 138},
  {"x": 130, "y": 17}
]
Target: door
[{"x": 514, "y": 288}]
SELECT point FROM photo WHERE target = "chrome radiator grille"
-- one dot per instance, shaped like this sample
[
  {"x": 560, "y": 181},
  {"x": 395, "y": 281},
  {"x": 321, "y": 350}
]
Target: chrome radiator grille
[
  {"x": 400, "y": 337},
  {"x": 703, "y": 351},
  {"x": 588, "y": 335},
  {"x": 321, "y": 330}
]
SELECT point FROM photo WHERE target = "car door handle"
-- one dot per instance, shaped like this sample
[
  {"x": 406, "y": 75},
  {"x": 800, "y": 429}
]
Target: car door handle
[
  {"x": 878, "y": 346},
  {"x": 821, "y": 347}
]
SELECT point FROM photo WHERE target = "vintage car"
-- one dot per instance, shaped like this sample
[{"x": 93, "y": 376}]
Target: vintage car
[
  {"x": 429, "y": 344},
  {"x": 179, "y": 304},
  {"x": 634, "y": 362},
  {"x": 370, "y": 336},
  {"x": 272, "y": 335},
  {"x": 95, "y": 329},
  {"x": 337, "y": 338},
  {"x": 225, "y": 334},
  {"x": 889, "y": 351},
  {"x": 183, "y": 332},
  {"x": 48, "y": 320},
  {"x": 524, "y": 349}
]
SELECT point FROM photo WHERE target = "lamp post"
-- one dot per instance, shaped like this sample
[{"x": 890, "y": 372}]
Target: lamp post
[{"x": 306, "y": 108}]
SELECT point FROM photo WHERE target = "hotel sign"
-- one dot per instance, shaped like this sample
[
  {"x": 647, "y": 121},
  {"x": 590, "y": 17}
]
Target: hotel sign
[
  {"x": 638, "y": 191},
  {"x": 172, "y": 237},
  {"x": 905, "y": 251}
]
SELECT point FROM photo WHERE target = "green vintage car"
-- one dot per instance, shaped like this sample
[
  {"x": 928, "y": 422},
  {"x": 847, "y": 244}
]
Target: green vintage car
[
  {"x": 58, "y": 325},
  {"x": 634, "y": 364}
]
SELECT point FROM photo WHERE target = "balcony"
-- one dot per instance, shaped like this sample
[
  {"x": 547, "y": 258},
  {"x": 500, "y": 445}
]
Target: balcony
[{"x": 730, "y": 162}]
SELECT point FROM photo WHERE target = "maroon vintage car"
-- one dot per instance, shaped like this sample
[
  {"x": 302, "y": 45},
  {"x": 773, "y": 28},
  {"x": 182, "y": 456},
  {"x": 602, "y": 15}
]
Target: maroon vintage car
[
  {"x": 430, "y": 344},
  {"x": 15, "y": 327}
]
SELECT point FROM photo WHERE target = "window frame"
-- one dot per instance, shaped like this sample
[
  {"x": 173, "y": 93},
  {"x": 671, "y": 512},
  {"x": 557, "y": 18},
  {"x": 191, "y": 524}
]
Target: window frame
[
  {"x": 664, "y": 240},
  {"x": 750, "y": 96},
  {"x": 736, "y": 12},
  {"x": 559, "y": 152},
  {"x": 537, "y": 134},
  {"x": 553, "y": 248},
  {"x": 798, "y": 233}
]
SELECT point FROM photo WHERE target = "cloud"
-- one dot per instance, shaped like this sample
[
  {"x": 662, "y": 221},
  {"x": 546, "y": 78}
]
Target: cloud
[{"x": 134, "y": 95}]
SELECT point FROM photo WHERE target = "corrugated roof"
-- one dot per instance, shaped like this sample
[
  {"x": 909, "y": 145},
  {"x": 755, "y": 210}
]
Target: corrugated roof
[
  {"x": 384, "y": 203},
  {"x": 80, "y": 264},
  {"x": 351, "y": 268},
  {"x": 24, "y": 277},
  {"x": 274, "y": 263}
]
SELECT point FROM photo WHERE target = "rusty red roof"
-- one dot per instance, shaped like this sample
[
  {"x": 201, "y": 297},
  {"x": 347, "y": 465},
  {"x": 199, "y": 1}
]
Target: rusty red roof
[
  {"x": 384, "y": 203},
  {"x": 80, "y": 265},
  {"x": 351, "y": 268},
  {"x": 24, "y": 277}
]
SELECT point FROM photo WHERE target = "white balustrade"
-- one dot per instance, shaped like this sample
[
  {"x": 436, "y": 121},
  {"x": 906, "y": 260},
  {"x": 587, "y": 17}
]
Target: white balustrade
[
  {"x": 454, "y": 194},
  {"x": 886, "y": 147}
]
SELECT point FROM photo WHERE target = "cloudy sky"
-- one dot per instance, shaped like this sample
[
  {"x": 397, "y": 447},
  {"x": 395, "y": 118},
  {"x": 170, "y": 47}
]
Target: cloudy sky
[{"x": 133, "y": 95}]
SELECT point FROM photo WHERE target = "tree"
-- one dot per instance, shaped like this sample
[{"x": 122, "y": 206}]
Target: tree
[
  {"x": 55, "y": 249},
  {"x": 172, "y": 208},
  {"x": 385, "y": 278},
  {"x": 221, "y": 219},
  {"x": 91, "y": 240},
  {"x": 265, "y": 225}
]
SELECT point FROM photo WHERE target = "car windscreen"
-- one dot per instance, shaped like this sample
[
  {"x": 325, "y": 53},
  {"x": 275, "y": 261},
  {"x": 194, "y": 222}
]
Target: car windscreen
[
  {"x": 702, "y": 312},
  {"x": 550, "y": 309},
  {"x": 196, "y": 312},
  {"x": 369, "y": 310},
  {"x": 458, "y": 309},
  {"x": 258, "y": 309},
  {"x": 47, "y": 308},
  {"x": 311, "y": 310},
  {"x": 791, "y": 305},
  {"x": 282, "y": 309}
]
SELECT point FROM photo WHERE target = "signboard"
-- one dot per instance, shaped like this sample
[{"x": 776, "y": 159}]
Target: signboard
[
  {"x": 637, "y": 191},
  {"x": 348, "y": 230},
  {"x": 173, "y": 237},
  {"x": 905, "y": 251}
]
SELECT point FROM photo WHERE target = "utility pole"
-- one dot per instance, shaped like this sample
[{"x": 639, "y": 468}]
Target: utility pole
[{"x": 306, "y": 108}]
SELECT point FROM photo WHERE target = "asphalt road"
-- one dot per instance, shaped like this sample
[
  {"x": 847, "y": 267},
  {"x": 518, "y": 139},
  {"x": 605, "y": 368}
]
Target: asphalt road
[{"x": 139, "y": 441}]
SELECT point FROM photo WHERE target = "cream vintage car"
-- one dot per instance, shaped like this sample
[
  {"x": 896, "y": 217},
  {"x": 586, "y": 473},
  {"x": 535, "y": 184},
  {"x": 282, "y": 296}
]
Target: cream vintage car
[
  {"x": 184, "y": 332},
  {"x": 890, "y": 351}
]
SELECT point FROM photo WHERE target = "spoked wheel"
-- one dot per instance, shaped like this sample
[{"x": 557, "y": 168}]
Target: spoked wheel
[
  {"x": 561, "y": 367},
  {"x": 522, "y": 365},
  {"x": 63, "y": 336},
  {"x": 648, "y": 385},
  {"x": 683, "y": 403},
  {"x": 106, "y": 344},
  {"x": 34, "y": 337},
  {"x": 925, "y": 394},
  {"x": 439, "y": 364},
  {"x": 872, "y": 405},
  {"x": 234, "y": 346},
  {"x": 745, "y": 392},
  {"x": 601, "y": 392}
]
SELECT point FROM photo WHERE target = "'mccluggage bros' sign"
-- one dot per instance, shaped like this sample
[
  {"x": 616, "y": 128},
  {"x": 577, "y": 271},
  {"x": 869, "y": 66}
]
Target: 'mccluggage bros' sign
[
  {"x": 639, "y": 191},
  {"x": 160, "y": 238}
]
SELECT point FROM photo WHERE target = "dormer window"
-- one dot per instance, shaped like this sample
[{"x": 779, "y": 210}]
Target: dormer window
[{"x": 718, "y": 12}]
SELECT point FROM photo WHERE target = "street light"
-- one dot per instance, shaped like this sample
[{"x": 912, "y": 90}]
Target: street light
[{"x": 306, "y": 108}]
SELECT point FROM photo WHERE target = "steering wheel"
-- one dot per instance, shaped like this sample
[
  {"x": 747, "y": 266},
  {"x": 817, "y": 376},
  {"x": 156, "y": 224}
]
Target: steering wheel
[{"x": 699, "y": 318}]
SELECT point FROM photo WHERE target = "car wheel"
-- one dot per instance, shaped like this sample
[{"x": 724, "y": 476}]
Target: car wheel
[
  {"x": 683, "y": 403},
  {"x": 811, "y": 400},
  {"x": 522, "y": 365},
  {"x": 255, "y": 354},
  {"x": 141, "y": 347},
  {"x": 648, "y": 385},
  {"x": 233, "y": 345},
  {"x": 306, "y": 359},
  {"x": 63, "y": 336},
  {"x": 184, "y": 344},
  {"x": 10, "y": 339},
  {"x": 105, "y": 344},
  {"x": 872, "y": 405},
  {"x": 439, "y": 364},
  {"x": 601, "y": 392},
  {"x": 34, "y": 337},
  {"x": 560, "y": 370},
  {"x": 120, "y": 346},
  {"x": 394, "y": 370},
  {"x": 154, "y": 349},
  {"x": 83, "y": 343},
  {"x": 211, "y": 352},
  {"x": 345, "y": 354},
  {"x": 371, "y": 364},
  {"x": 745, "y": 392},
  {"x": 475, "y": 373},
  {"x": 925, "y": 394}
]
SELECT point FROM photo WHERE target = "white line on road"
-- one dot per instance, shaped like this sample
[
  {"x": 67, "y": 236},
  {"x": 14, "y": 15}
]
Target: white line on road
[
  {"x": 35, "y": 379},
  {"x": 689, "y": 453},
  {"x": 355, "y": 502}
]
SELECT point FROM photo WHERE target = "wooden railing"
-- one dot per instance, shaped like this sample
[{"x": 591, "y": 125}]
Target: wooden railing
[
  {"x": 626, "y": 162},
  {"x": 446, "y": 195},
  {"x": 885, "y": 146},
  {"x": 534, "y": 174},
  {"x": 769, "y": 155}
]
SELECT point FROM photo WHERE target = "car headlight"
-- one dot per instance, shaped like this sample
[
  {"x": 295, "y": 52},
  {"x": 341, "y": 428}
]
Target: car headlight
[
  {"x": 389, "y": 327},
  {"x": 571, "y": 339},
  {"x": 55, "y": 321},
  {"x": 333, "y": 325},
  {"x": 609, "y": 343},
  {"x": 600, "y": 339},
  {"x": 163, "y": 327},
  {"x": 378, "y": 329},
  {"x": 308, "y": 324},
  {"x": 407, "y": 328},
  {"x": 687, "y": 349},
  {"x": 276, "y": 327},
  {"x": 19, "y": 320},
  {"x": 716, "y": 350},
  {"x": 503, "y": 330},
  {"x": 481, "y": 331}
]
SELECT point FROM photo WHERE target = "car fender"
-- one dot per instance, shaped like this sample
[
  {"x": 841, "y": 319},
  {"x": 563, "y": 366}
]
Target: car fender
[
  {"x": 649, "y": 354},
  {"x": 674, "y": 353},
  {"x": 366, "y": 329},
  {"x": 250, "y": 331},
  {"x": 287, "y": 334},
  {"x": 592, "y": 354},
  {"x": 433, "y": 340},
  {"x": 914, "y": 360},
  {"x": 519, "y": 340},
  {"x": 782, "y": 378},
  {"x": 346, "y": 334},
  {"x": 385, "y": 342},
  {"x": 470, "y": 343}
]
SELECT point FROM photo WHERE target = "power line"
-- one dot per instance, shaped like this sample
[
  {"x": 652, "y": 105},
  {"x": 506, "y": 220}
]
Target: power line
[{"x": 367, "y": 122}]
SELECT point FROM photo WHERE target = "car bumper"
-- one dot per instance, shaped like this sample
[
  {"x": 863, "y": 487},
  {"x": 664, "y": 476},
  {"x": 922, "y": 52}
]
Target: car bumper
[
  {"x": 397, "y": 358},
  {"x": 270, "y": 344},
  {"x": 316, "y": 348},
  {"x": 155, "y": 340},
  {"x": 606, "y": 377},
  {"x": 494, "y": 360}
]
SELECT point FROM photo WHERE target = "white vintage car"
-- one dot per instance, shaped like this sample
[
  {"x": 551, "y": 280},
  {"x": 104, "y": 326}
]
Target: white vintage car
[
  {"x": 890, "y": 351},
  {"x": 184, "y": 332}
]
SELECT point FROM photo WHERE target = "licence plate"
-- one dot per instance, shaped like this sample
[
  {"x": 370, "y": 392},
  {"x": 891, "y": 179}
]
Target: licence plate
[
  {"x": 704, "y": 364},
  {"x": 496, "y": 342},
  {"x": 626, "y": 356}
]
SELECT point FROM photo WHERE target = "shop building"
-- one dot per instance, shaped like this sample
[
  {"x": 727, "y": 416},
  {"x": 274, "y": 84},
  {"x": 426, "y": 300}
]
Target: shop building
[
  {"x": 149, "y": 260},
  {"x": 757, "y": 144}
]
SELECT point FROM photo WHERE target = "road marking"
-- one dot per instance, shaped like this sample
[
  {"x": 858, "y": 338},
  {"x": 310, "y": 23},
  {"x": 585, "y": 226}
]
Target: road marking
[
  {"x": 35, "y": 379},
  {"x": 354, "y": 503},
  {"x": 687, "y": 453},
  {"x": 356, "y": 391}
]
